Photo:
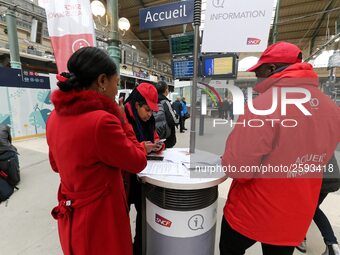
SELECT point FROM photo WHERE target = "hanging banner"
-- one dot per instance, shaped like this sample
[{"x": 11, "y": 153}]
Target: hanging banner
[
  {"x": 233, "y": 26},
  {"x": 70, "y": 26}
]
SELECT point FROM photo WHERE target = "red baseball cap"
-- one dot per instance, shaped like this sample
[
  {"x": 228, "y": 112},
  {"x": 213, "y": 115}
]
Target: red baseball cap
[
  {"x": 281, "y": 52},
  {"x": 149, "y": 92}
]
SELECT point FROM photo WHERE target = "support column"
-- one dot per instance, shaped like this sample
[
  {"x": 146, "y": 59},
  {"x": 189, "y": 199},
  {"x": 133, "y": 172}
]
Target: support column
[
  {"x": 113, "y": 48},
  {"x": 12, "y": 33},
  {"x": 197, "y": 23},
  {"x": 275, "y": 21},
  {"x": 150, "y": 64}
]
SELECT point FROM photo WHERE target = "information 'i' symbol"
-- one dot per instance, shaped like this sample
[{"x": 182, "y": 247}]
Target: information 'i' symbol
[{"x": 218, "y": 3}]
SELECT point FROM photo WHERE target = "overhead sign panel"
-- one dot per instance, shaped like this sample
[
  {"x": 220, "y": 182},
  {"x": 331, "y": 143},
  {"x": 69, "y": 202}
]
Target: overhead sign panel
[
  {"x": 18, "y": 78},
  {"x": 182, "y": 44},
  {"x": 232, "y": 26},
  {"x": 166, "y": 15},
  {"x": 183, "y": 68}
]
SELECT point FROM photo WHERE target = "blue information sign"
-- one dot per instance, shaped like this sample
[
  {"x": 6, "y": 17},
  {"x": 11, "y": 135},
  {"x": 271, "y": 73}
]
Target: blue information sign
[
  {"x": 183, "y": 68},
  {"x": 10, "y": 77},
  {"x": 166, "y": 15}
]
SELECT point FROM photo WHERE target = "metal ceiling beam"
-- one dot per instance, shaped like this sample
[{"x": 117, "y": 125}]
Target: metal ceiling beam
[
  {"x": 160, "y": 30},
  {"x": 301, "y": 22},
  {"x": 293, "y": 36},
  {"x": 303, "y": 15},
  {"x": 317, "y": 29},
  {"x": 296, "y": 4},
  {"x": 287, "y": 19},
  {"x": 145, "y": 5},
  {"x": 322, "y": 47},
  {"x": 296, "y": 29}
]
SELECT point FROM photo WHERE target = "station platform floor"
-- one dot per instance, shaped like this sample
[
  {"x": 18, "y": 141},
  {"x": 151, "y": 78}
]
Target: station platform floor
[{"x": 27, "y": 227}]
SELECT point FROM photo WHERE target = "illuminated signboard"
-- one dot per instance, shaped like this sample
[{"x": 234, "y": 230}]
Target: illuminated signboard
[
  {"x": 183, "y": 68},
  {"x": 182, "y": 44},
  {"x": 219, "y": 66}
]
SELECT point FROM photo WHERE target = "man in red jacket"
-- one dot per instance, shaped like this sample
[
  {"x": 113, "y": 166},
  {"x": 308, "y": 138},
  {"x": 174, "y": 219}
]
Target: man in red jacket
[{"x": 277, "y": 165}]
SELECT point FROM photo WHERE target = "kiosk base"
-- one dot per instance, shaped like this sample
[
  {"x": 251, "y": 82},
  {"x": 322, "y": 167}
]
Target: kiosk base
[{"x": 180, "y": 221}]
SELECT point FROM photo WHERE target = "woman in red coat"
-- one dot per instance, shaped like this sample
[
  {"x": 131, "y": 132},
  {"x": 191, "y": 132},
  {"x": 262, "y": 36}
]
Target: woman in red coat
[{"x": 90, "y": 141}]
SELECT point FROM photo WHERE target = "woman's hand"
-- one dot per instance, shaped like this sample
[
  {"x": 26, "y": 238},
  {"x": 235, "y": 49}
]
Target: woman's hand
[
  {"x": 150, "y": 147},
  {"x": 158, "y": 147},
  {"x": 121, "y": 105}
]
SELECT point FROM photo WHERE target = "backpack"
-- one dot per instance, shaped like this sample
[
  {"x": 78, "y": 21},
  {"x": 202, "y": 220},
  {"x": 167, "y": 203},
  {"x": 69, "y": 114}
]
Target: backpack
[
  {"x": 162, "y": 127},
  {"x": 9, "y": 174}
]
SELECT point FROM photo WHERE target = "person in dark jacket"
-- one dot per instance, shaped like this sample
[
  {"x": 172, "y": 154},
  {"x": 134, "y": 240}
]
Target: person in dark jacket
[
  {"x": 228, "y": 109},
  {"x": 225, "y": 108},
  {"x": 139, "y": 108},
  {"x": 6, "y": 140},
  {"x": 184, "y": 113},
  {"x": 171, "y": 119},
  {"x": 330, "y": 183},
  {"x": 220, "y": 110},
  {"x": 177, "y": 106},
  {"x": 7, "y": 149},
  {"x": 229, "y": 113},
  {"x": 9, "y": 163}
]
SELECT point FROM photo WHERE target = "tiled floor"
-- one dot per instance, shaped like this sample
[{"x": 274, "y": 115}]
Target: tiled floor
[{"x": 27, "y": 228}]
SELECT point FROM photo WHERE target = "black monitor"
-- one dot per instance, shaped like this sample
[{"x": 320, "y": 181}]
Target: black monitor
[
  {"x": 182, "y": 44},
  {"x": 219, "y": 66}
]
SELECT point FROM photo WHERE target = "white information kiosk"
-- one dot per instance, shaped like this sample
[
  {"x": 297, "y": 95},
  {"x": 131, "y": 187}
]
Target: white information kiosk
[{"x": 179, "y": 207}]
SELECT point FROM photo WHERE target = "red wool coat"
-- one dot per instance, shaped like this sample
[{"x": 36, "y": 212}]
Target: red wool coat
[
  {"x": 89, "y": 143},
  {"x": 279, "y": 211}
]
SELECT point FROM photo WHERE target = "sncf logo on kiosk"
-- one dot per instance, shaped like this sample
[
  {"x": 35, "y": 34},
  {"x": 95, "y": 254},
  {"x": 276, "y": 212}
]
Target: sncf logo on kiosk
[
  {"x": 162, "y": 221},
  {"x": 253, "y": 41}
]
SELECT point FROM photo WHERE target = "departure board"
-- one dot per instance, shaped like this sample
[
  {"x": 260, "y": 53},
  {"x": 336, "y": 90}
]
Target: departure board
[
  {"x": 183, "y": 68},
  {"x": 182, "y": 44}
]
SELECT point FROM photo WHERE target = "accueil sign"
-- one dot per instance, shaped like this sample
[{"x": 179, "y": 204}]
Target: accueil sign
[
  {"x": 166, "y": 15},
  {"x": 240, "y": 26}
]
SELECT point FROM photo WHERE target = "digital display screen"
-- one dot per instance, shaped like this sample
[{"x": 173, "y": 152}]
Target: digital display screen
[
  {"x": 219, "y": 66},
  {"x": 182, "y": 68},
  {"x": 182, "y": 44}
]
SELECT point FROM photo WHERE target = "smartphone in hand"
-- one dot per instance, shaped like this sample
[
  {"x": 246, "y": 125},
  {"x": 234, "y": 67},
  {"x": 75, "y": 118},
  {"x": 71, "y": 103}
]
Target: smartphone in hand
[
  {"x": 122, "y": 95},
  {"x": 161, "y": 141}
]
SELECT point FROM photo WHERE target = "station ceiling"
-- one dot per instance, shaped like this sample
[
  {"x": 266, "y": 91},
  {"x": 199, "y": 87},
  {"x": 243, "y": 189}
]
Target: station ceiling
[
  {"x": 307, "y": 23},
  {"x": 160, "y": 44}
]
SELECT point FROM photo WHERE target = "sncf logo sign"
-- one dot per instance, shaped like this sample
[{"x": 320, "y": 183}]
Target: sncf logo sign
[
  {"x": 253, "y": 41},
  {"x": 162, "y": 221}
]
